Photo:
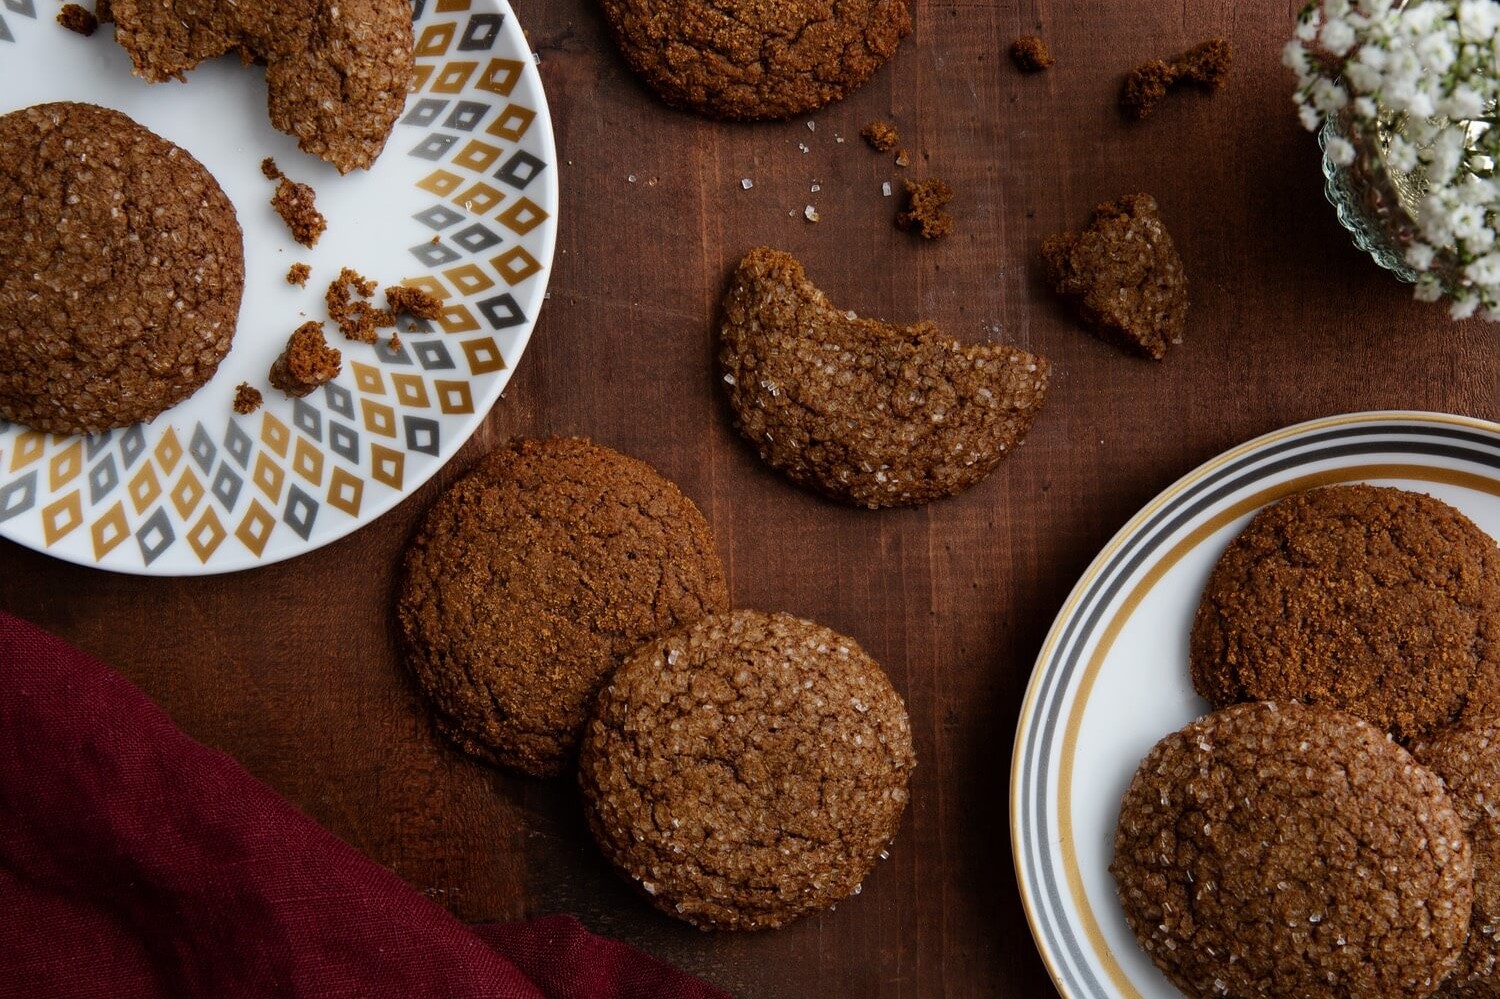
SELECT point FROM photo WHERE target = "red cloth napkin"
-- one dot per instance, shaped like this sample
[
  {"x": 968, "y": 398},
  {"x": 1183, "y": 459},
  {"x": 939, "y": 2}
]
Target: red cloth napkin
[{"x": 136, "y": 862}]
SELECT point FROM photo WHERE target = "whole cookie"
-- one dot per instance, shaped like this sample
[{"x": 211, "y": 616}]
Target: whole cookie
[
  {"x": 1466, "y": 756},
  {"x": 123, "y": 266},
  {"x": 337, "y": 71},
  {"x": 755, "y": 59},
  {"x": 746, "y": 770},
  {"x": 1376, "y": 601},
  {"x": 862, "y": 411},
  {"x": 532, "y": 578},
  {"x": 1279, "y": 850}
]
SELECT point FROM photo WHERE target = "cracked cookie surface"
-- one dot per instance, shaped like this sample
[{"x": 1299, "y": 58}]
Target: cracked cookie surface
[
  {"x": 1466, "y": 756},
  {"x": 1380, "y": 602},
  {"x": 532, "y": 578},
  {"x": 123, "y": 266},
  {"x": 861, "y": 411},
  {"x": 746, "y": 770},
  {"x": 1284, "y": 850},
  {"x": 337, "y": 71},
  {"x": 756, "y": 59}
]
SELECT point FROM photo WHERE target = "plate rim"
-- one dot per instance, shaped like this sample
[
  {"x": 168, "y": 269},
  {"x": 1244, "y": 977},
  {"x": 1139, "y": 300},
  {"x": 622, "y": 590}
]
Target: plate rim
[
  {"x": 1104, "y": 558},
  {"x": 247, "y": 561}
]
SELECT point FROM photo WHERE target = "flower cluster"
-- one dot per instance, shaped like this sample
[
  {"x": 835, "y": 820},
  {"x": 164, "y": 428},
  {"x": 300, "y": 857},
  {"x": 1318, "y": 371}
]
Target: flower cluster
[{"x": 1433, "y": 68}]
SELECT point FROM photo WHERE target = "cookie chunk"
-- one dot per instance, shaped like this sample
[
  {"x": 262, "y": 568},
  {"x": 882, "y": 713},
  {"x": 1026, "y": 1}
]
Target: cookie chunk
[
  {"x": 924, "y": 211},
  {"x": 881, "y": 135},
  {"x": 401, "y": 300},
  {"x": 337, "y": 71},
  {"x": 122, "y": 271},
  {"x": 78, "y": 19},
  {"x": 296, "y": 203},
  {"x": 747, "y": 770},
  {"x": 1205, "y": 65},
  {"x": 1376, "y": 601},
  {"x": 532, "y": 578},
  {"x": 747, "y": 61},
  {"x": 1030, "y": 54},
  {"x": 862, "y": 411},
  {"x": 306, "y": 363},
  {"x": 1467, "y": 757},
  {"x": 1122, "y": 276},
  {"x": 1283, "y": 850},
  {"x": 247, "y": 398}
]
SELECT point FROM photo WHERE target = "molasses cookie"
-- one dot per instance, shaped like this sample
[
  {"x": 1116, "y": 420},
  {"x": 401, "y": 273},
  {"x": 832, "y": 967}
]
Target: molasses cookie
[
  {"x": 746, "y": 770},
  {"x": 1467, "y": 757},
  {"x": 122, "y": 270},
  {"x": 1122, "y": 276},
  {"x": 1376, "y": 601},
  {"x": 530, "y": 580},
  {"x": 1280, "y": 850},
  {"x": 861, "y": 411},
  {"x": 337, "y": 71},
  {"x": 744, "y": 61}
]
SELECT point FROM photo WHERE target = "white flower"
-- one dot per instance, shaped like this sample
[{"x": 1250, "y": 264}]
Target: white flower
[
  {"x": 1309, "y": 117},
  {"x": 1366, "y": 108},
  {"x": 1340, "y": 150},
  {"x": 1418, "y": 20},
  {"x": 1481, "y": 240},
  {"x": 1328, "y": 96},
  {"x": 1420, "y": 256},
  {"x": 1294, "y": 57},
  {"x": 1338, "y": 37},
  {"x": 1478, "y": 19},
  {"x": 1402, "y": 155},
  {"x": 1484, "y": 271},
  {"x": 1463, "y": 306},
  {"x": 1428, "y": 289}
]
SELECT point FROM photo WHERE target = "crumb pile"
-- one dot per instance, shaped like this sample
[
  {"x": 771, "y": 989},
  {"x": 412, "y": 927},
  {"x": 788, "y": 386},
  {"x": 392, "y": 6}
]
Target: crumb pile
[
  {"x": 355, "y": 317},
  {"x": 1205, "y": 65},
  {"x": 415, "y": 302},
  {"x": 306, "y": 363},
  {"x": 247, "y": 398},
  {"x": 298, "y": 274}
]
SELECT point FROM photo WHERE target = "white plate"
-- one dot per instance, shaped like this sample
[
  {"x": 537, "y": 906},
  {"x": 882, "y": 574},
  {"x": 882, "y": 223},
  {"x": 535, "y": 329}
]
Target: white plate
[
  {"x": 202, "y": 490},
  {"x": 1112, "y": 678}
]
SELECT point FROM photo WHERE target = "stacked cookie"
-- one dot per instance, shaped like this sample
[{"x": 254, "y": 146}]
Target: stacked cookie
[
  {"x": 1331, "y": 830},
  {"x": 563, "y": 601}
]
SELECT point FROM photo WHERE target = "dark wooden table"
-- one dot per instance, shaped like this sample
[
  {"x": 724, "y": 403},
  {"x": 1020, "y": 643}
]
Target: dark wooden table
[{"x": 292, "y": 669}]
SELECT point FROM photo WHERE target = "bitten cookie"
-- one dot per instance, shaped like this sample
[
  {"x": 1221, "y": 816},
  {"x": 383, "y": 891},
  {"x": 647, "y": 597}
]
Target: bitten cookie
[
  {"x": 1287, "y": 851},
  {"x": 530, "y": 580},
  {"x": 1376, "y": 601},
  {"x": 1122, "y": 276},
  {"x": 1467, "y": 757},
  {"x": 121, "y": 269},
  {"x": 757, "y": 60},
  {"x": 746, "y": 770},
  {"x": 862, "y": 411},
  {"x": 337, "y": 71}
]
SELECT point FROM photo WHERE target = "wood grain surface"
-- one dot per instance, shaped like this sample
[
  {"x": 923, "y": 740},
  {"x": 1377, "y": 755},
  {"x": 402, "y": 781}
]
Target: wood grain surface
[{"x": 292, "y": 670}]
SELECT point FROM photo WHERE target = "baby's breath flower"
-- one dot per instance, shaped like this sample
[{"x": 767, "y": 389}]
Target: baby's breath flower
[{"x": 1434, "y": 66}]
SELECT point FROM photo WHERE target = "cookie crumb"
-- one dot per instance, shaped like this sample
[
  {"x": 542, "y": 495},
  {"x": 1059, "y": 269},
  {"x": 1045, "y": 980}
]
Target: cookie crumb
[
  {"x": 924, "y": 208},
  {"x": 1205, "y": 65},
  {"x": 356, "y": 320},
  {"x": 903, "y": 159},
  {"x": 435, "y": 240},
  {"x": 307, "y": 361},
  {"x": 269, "y": 169},
  {"x": 103, "y": 12},
  {"x": 247, "y": 399},
  {"x": 395, "y": 344},
  {"x": 295, "y": 203},
  {"x": 402, "y": 300},
  {"x": 298, "y": 274},
  {"x": 881, "y": 135},
  {"x": 1030, "y": 54},
  {"x": 75, "y": 18}
]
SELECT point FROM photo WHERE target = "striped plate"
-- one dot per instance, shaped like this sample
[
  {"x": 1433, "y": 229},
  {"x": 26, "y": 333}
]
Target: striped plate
[{"x": 1112, "y": 677}]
